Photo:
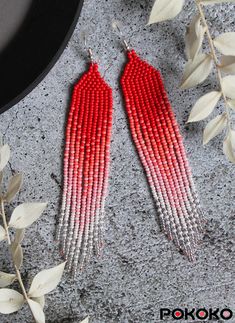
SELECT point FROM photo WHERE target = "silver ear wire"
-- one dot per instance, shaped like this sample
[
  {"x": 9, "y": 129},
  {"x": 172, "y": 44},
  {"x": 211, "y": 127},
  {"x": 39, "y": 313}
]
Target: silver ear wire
[{"x": 116, "y": 25}]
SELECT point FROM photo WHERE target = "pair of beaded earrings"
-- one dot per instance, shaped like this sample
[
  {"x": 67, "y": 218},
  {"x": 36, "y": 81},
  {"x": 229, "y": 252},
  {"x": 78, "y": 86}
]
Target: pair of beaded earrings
[{"x": 87, "y": 156}]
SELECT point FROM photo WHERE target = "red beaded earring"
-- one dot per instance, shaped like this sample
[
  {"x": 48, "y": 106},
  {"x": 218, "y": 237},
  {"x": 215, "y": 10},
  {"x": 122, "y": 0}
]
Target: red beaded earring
[
  {"x": 86, "y": 165},
  {"x": 160, "y": 147}
]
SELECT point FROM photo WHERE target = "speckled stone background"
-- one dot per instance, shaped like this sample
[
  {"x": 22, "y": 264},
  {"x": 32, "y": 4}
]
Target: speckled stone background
[{"x": 140, "y": 271}]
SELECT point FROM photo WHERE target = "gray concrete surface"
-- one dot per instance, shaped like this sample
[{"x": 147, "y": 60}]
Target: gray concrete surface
[{"x": 140, "y": 271}]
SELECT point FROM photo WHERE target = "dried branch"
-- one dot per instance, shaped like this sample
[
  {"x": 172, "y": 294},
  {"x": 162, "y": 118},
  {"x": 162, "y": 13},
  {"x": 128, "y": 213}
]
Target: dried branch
[
  {"x": 200, "y": 65},
  {"x": 22, "y": 217}
]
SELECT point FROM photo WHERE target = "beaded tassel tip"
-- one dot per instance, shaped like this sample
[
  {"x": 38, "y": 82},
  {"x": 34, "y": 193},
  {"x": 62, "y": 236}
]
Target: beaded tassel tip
[
  {"x": 86, "y": 165},
  {"x": 160, "y": 147}
]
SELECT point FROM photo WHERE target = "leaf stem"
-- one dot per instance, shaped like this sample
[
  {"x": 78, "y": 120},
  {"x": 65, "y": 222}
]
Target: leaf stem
[
  {"x": 18, "y": 274},
  {"x": 216, "y": 61}
]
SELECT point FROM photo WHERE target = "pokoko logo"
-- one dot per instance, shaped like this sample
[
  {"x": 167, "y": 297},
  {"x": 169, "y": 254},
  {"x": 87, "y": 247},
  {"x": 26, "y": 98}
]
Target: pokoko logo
[{"x": 196, "y": 314}]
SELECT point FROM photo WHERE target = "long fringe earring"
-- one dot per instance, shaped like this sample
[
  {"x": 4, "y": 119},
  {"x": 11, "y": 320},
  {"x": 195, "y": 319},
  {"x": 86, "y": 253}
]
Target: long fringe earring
[
  {"x": 86, "y": 167},
  {"x": 160, "y": 147}
]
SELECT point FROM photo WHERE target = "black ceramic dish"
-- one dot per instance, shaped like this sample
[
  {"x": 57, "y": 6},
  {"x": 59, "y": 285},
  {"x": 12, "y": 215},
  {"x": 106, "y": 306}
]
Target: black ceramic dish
[{"x": 33, "y": 34}]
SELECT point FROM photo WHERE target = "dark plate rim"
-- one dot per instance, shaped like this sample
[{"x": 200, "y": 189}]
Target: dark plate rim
[{"x": 49, "y": 66}]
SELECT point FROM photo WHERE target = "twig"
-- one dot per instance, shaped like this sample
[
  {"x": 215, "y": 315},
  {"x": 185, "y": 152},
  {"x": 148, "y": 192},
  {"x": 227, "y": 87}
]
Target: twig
[
  {"x": 216, "y": 61},
  {"x": 18, "y": 274}
]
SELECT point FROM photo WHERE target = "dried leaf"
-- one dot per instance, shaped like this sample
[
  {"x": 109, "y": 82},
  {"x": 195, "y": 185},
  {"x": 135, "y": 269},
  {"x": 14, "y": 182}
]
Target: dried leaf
[
  {"x": 208, "y": 2},
  {"x": 164, "y": 10},
  {"x": 228, "y": 85},
  {"x": 4, "y": 156},
  {"x": 19, "y": 236},
  {"x": 45, "y": 281},
  {"x": 194, "y": 37},
  {"x": 2, "y": 233},
  {"x": 25, "y": 214},
  {"x": 10, "y": 301},
  {"x": 86, "y": 320},
  {"x": 40, "y": 300},
  {"x": 196, "y": 71},
  {"x": 37, "y": 311},
  {"x": 225, "y": 43},
  {"x": 204, "y": 106},
  {"x": 214, "y": 127},
  {"x": 231, "y": 104},
  {"x": 17, "y": 254},
  {"x": 1, "y": 177},
  {"x": 14, "y": 187},
  {"x": 229, "y": 146},
  {"x": 228, "y": 64},
  {"x": 6, "y": 279},
  {"x": 13, "y": 247}
]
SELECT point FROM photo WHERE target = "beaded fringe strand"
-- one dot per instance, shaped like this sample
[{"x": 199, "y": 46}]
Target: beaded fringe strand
[
  {"x": 86, "y": 166},
  {"x": 158, "y": 141}
]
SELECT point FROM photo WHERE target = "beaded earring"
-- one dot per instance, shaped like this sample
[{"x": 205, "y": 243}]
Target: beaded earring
[
  {"x": 160, "y": 147},
  {"x": 86, "y": 166}
]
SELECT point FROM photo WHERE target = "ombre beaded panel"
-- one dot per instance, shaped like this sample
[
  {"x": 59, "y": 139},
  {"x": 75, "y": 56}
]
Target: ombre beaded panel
[
  {"x": 86, "y": 166},
  {"x": 160, "y": 147}
]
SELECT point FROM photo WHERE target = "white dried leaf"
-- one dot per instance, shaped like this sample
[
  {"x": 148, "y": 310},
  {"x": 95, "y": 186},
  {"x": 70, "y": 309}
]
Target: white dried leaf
[
  {"x": 86, "y": 320},
  {"x": 4, "y": 156},
  {"x": 45, "y": 281},
  {"x": 37, "y": 311},
  {"x": 13, "y": 247},
  {"x": 17, "y": 254},
  {"x": 6, "y": 279},
  {"x": 231, "y": 104},
  {"x": 194, "y": 37},
  {"x": 229, "y": 146},
  {"x": 25, "y": 214},
  {"x": 40, "y": 300},
  {"x": 196, "y": 71},
  {"x": 225, "y": 43},
  {"x": 228, "y": 85},
  {"x": 2, "y": 233},
  {"x": 14, "y": 187},
  {"x": 10, "y": 301},
  {"x": 19, "y": 236},
  {"x": 204, "y": 106},
  {"x": 164, "y": 10},
  {"x": 208, "y": 2},
  {"x": 214, "y": 127},
  {"x": 228, "y": 64}
]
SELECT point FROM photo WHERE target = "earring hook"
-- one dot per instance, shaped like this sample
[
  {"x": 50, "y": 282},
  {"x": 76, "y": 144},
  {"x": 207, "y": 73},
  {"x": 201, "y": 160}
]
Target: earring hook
[
  {"x": 116, "y": 27},
  {"x": 88, "y": 48}
]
